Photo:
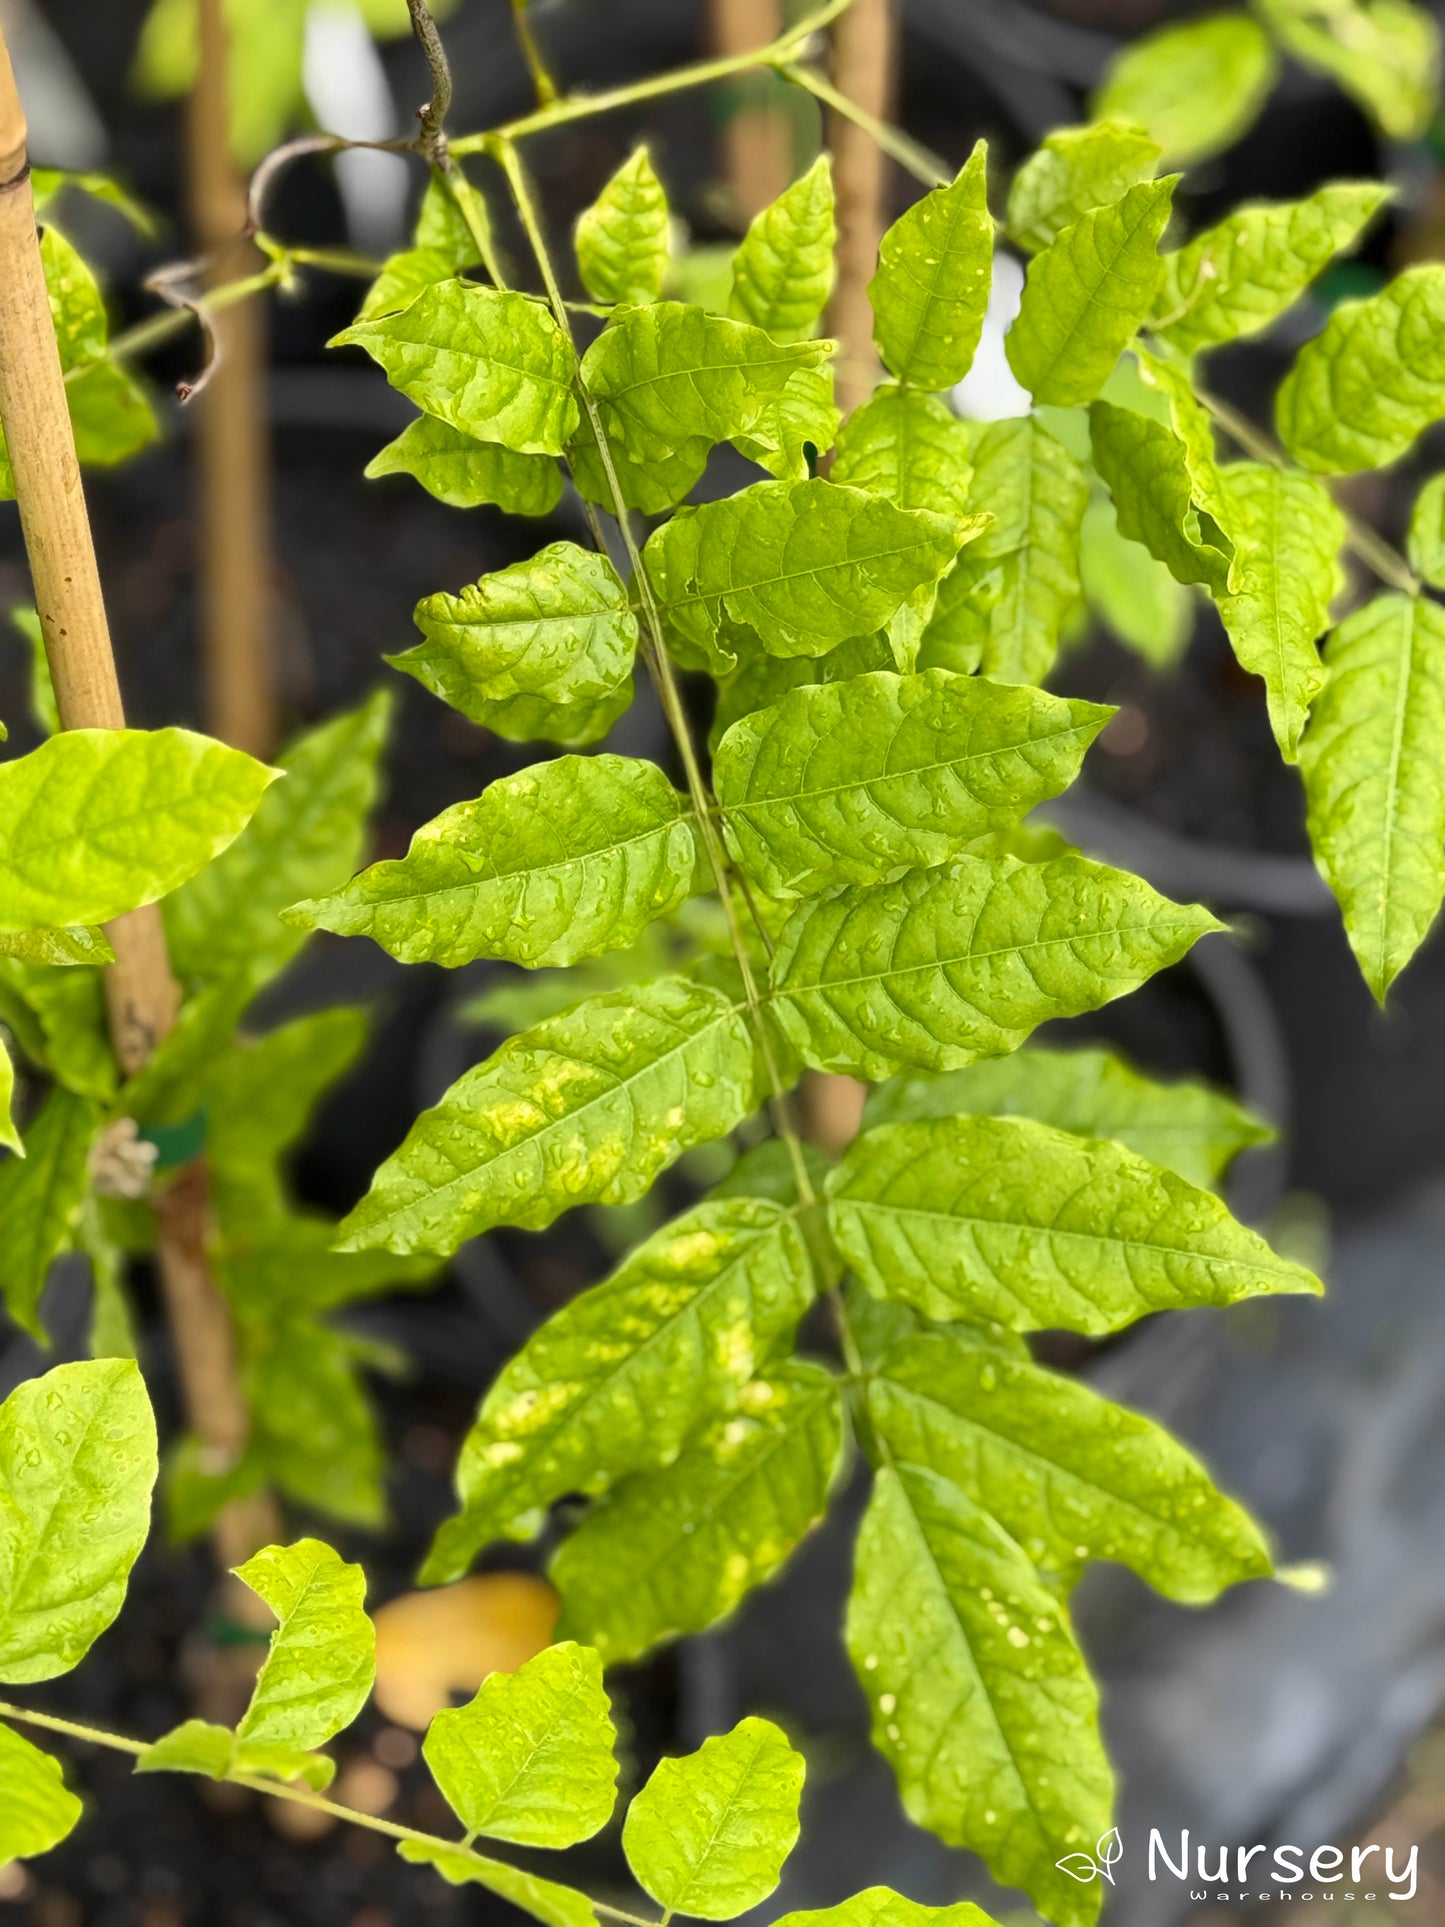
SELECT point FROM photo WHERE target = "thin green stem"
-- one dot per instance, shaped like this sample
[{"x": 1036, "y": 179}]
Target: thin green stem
[
  {"x": 72, "y": 1729},
  {"x": 547, "y": 88},
  {"x": 920, "y": 162}
]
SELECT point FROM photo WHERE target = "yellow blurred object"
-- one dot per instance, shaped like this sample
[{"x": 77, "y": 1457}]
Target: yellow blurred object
[{"x": 434, "y": 1646}]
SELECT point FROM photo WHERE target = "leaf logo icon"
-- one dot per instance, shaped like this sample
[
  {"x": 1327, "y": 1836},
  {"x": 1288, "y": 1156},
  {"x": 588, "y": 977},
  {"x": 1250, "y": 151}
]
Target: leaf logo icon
[{"x": 1085, "y": 1868}]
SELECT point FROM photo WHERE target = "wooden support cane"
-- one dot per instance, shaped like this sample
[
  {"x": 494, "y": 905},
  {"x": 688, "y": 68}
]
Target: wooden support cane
[
  {"x": 864, "y": 68},
  {"x": 758, "y": 160},
  {"x": 141, "y": 994}
]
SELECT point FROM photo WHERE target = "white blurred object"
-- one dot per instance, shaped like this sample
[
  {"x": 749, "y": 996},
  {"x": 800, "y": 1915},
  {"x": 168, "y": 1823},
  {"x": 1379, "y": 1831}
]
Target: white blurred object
[
  {"x": 65, "y": 129},
  {"x": 346, "y": 89},
  {"x": 989, "y": 392}
]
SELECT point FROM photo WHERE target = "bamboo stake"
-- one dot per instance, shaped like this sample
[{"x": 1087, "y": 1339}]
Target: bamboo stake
[
  {"x": 864, "y": 68},
  {"x": 757, "y": 140},
  {"x": 141, "y": 994},
  {"x": 232, "y": 442}
]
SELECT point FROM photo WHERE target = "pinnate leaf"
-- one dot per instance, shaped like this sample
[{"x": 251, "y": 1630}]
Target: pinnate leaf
[
  {"x": 783, "y": 271},
  {"x": 930, "y": 293},
  {"x": 38, "y": 1809},
  {"x": 1076, "y": 169},
  {"x": 1195, "y": 86},
  {"x": 557, "y": 863},
  {"x": 1086, "y": 294},
  {"x": 857, "y": 781},
  {"x": 999, "y": 1218},
  {"x": 708, "y": 1835},
  {"x": 1375, "y": 782},
  {"x": 488, "y": 361},
  {"x": 318, "y": 1673},
  {"x": 464, "y": 473},
  {"x": 530, "y": 1759},
  {"x": 77, "y": 1465},
  {"x": 40, "y": 1196},
  {"x": 961, "y": 962},
  {"x": 622, "y": 243}
]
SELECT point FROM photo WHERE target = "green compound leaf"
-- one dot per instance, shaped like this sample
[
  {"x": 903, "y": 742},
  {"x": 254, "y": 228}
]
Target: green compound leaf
[
  {"x": 982, "y": 1703},
  {"x": 1238, "y": 277},
  {"x": 783, "y": 272},
  {"x": 464, "y": 473},
  {"x": 858, "y": 781},
  {"x": 38, "y": 1809},
  {"x": 1130, "y": 592},
  {"x": 557, "y": 863},
  {"x": 318, "y": 1673},
  {"x": 998, "y": 1218},
  {"x": 1386, "y": 53},
  {"x": 487, "y": 361},
  {"x": 545, "y": 1900},
  {"x": 948, "y": 965},
  {"x": 98, "y": 821},
  {"x": 670, "y": 377},
  {"x": 708, "y": 1835},
  {"x": 881, "y": 1907},
  {"x": 1002, "y": 607},
  {"x": 673, "y": 1552},
  {"x": 40, "y": 1195},
  {"x": 1291, "y": 535},
  {"x": 1146, "y": 467},
  {"x": 909, "y": 447},
  {"x": 77, "y": 1465},
  {"x": 306, "y": 837},
  {"x": 1374, "y": 779},
  {"x": 587, "y": 1108},
  {"x": 1425, "y": 543},
  {"x": 1086, "y": 294},
  {"x": 1371, "y": 380},
  {"x": 616, "y": 1381},
  {"x": 1068, "y": 1475},
  {"x": 530, "y": 1759},
  {"x": 1076, "y": 169},
  {"x": 930, "y": 293},
  {"x": 556, "y": 629},
  {"x": 1196, "y": 87},
  {"x": 622, "y": 239},
  {"x": 790, "y": 569},
  {"x": 1186, "y": 1127}
]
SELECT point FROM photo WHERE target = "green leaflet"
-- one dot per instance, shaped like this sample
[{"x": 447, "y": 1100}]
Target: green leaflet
[
  {"x": 1002, "y": 607},
  {"x": 77, "y": 1464},
  {"x": 1086, "y": 294},
  {"x": 40, "y": 1195},
  {"x": 669, "y": 376},
  {"x": 767, "y": 679},
  {"x": 982, "y": 1703},
  {"x": 315, "y": 1435},
  {"x": 930, "y": 293},
  {"x": 58, "y": 1017},
  {"x": 533, "y": 719},
  {"x": 1384, "y": 52},
  {"x": 306, "y": 837},
  {"x": 673, "y": 1552},
  {"x": 556, "y": 628},
  {"x": 802, "y": 418},
  {"x": 1068, "y": 1475},
  {"x": 98, "y": 821},
  {"x": 110, "y": 415},
  {"x": 1076, "y": 169},
  {"x": 38, "y": 1810},
  {"x": 622, "y": 244},
  {"x": 1237, "y": 277},
  {"x": 404, "y": 276},
  {"x": 909, "y": 447},
  {"x": 783, "y": 272},
  {"x": 10, "y": 1138},
  {"x": 75, "y": 945},
  {"x": 1130, "y": 591},
  {"x": 999, "y": 1218},
  {"x": 1371, "y": 380},
  {"x": 790, "y": 568},
  {"x": 530, "y": 1758},
  {"x": 1188, "y": 1128},
  {"x": 214, "y": 1752},
  {"x": 554, "y": 864},
  {"x": 654, "y": 485},
  {"x": 857, "y": 781},
  {"x": 708, "y": 1835},
  {"x": 951, "y": 964},
  {"x": 318, "y": 1673},
  {"x": 1374, "y": 779},
  {"x": 48, "y": 183},
  {"x": 1196, "y": 86},
  {"x": 1146, "y": 467},
  {"x": 1425, "y": 543},
  {"x": 1292, "y": 535},
  {"x": 881, "y": 1907},
  {"x": 463, "y": 472},
  {"x": 284, "y": 1264},
  {"x": 545, "y": 1900},
  {"x": 586, "y": 1108},
  {"x": 487, "y": 361},
  {"x": 615, "y": 1382}
]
